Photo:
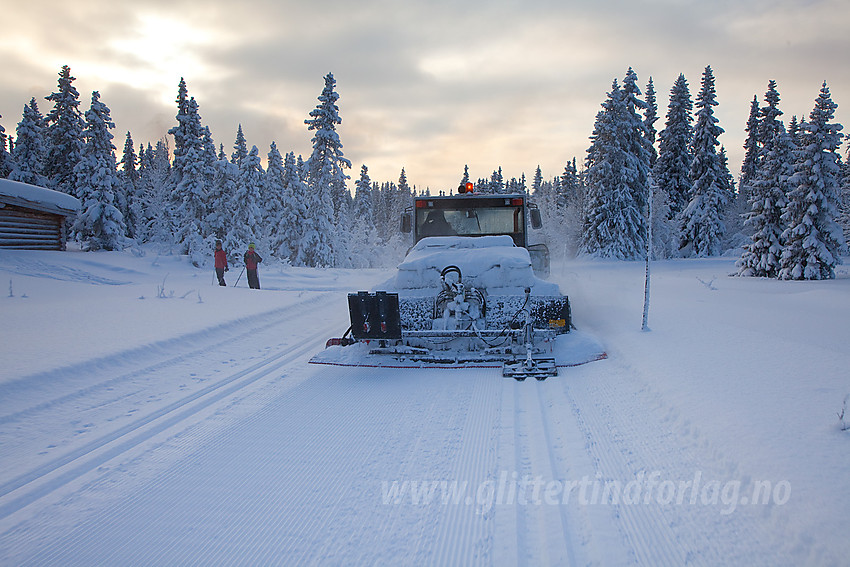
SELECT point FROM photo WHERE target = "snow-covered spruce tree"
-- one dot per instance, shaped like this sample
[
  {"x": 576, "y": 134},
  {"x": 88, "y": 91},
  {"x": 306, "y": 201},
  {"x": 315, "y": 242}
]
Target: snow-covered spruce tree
[
  {"x": 361, "y": 210},
  {"x": 382, "y": 206},
  {"x": 735, "y": 235},
  {"x": 559, "y": 189},
  {"x": 209, "y": 158},
  {"x": 403, "y": 199},
  {"x": 570, "y": 186},
  {"x": 64, "y": 137},
  {"x": 157, "y": 224},
  {"x": 189, "y": 180},
  {"x": 315, "y": 247},
  {"x": 364, "y": 237},
  {"x": 844, "y": 205},
  {"x": 326, "y": 238},
  {"x": 517, "y": 185},
  {"x": 208, "y": 171},
  {"x": 551, "y": 199},
  {"x": 701, "y": 227},
  {"x": 30, "y": 149},
  {"x": 100, "y": 224},
  {"x": 139, "y": 200},
  {"x": 569, "y": 199},
  {"x": 5, "y": 154},
  {"x": 618, "y": 177},
  {"x": 223, "y": 184},
  {"x": 663, "y": 233},
  {"x": 396, "y": 198},
  {"x": 603, "y": 157},
  {"x": 245, "y": 207},
  {"x": 182, "y": 131},
  {"x": 272, "y": 194},
  {"x": 813, "y": 239},
  {"x": 752, "y": 145},
  {"x": 393, "y": 202},
  {"x": 673, "y": 166},
  {"x": 295, "y": 205},
  {"x": 278, "y": 219},
  {"x": 661, "y": 229},
  {"x": 465, "y": 177},
  {"x": 220, "y": 218},
  {"x": 650, "y": 118},
  {"x": 240, "y": 148},
  {"x": 545, "y": 199},
  {"x": 183, "y": 135},
  {"x": 537, "y": 182},
  {"x": 768, "y": 191},
  {"x": 6, "y": 163},
  {"x": 794, "y": 131},
  {"x": 497, "y": 182},
  {"x": 129, "y": 204},
  {"x": 727, "y": 181},
  {"x": 403, "y": 185},
  {"x": 144, "y": 214},
  {"x": 361, "y": 219}
]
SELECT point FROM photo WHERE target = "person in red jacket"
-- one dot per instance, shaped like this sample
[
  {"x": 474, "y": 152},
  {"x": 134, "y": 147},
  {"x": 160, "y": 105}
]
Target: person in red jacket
[
  {"x": 251, "y": 261},
  {"x": 220, "y": 263}
]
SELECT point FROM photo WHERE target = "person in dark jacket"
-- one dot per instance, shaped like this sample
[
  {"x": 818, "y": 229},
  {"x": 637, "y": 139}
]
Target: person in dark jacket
[
  {"x": 251, "y": 261},
  {"x": 220, "y": 263}
]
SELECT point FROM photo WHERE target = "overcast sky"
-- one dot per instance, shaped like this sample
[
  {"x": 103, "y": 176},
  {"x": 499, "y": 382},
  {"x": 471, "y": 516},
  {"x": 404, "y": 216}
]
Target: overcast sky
[{"x": 428, "y": 86}]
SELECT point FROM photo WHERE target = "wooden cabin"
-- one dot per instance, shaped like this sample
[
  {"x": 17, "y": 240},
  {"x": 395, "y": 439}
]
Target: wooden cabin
[{"x": 32, "y": 217}]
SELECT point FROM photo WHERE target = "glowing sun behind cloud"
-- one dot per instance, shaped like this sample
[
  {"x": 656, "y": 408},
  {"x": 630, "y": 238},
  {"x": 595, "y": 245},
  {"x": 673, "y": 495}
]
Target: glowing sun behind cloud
[{"x": 163, "y": 50}]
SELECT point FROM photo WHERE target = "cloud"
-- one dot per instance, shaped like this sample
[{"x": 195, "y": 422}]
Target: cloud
[{"x": 429, "y": 86}]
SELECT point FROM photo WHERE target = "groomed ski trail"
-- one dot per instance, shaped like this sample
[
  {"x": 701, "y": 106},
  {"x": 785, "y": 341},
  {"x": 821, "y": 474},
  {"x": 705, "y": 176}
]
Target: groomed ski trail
[
  {"x": 279, "y": 462},
  {"x": 115, "y": 405}
]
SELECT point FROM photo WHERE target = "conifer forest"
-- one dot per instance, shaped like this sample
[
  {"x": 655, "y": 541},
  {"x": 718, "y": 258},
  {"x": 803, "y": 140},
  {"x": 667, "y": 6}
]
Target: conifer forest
[{"x": 785, "y": 211}]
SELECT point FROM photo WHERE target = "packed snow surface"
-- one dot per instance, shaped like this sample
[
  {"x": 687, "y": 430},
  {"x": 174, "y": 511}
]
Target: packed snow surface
[{"x": 149, "y": 417}]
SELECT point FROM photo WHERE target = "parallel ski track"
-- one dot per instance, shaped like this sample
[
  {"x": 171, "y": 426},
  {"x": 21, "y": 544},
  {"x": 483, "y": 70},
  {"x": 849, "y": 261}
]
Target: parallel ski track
[
  {"x": 464, "y": 537},
  {"x": 320, "y": 503},
  {"x": 569, "y": 528},
  {"x": 651, "y": 541},
  {"x": 155, "y": 356},
  {"x": 546, "y": 533},
  {"x": 621, "y": 448},
  {"x": 643, "y": 533},
  {"x": 25, "y": 489}
]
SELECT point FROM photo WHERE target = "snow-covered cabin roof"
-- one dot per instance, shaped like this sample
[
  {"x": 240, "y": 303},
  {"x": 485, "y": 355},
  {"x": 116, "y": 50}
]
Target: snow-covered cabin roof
[{"x": 38, "y": 198}]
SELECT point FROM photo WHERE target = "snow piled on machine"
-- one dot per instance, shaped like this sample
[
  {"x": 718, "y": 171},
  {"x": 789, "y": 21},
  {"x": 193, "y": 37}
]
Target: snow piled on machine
[{"x": 485, "y": 262}]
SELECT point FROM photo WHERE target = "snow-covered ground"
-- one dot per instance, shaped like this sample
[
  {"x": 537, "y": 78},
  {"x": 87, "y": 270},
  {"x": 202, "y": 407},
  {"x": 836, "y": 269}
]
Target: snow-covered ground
[{"x": 149, "y": 417}]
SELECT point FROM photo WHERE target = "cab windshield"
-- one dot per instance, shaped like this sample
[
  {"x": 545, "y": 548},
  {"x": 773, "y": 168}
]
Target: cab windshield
[{"x": 467, "y": 221}]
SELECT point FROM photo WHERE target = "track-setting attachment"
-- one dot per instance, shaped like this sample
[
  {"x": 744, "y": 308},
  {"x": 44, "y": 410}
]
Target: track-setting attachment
[{"x": 539, "y": 368}]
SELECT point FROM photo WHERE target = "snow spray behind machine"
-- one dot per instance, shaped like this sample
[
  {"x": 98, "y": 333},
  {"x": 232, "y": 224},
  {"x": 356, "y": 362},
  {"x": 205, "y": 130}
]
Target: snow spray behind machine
[{"x": 469, "y": 293}]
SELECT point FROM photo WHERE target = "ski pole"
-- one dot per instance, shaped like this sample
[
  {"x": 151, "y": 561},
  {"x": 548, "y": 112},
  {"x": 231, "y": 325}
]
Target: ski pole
[{"x": 240, "y": 276}]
